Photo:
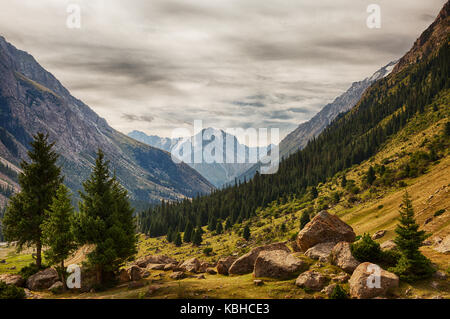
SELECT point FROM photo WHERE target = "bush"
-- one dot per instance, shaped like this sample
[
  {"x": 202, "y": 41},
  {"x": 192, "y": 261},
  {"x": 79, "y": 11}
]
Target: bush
[
  {"x": 338, "y": 293},
  {"x": 439, "y": 212},
  {"x": 366, "y": 249},
  {"x": 207, "y": 251},
  {"x": 411, "y": 270},
  {"x": 11, "y": 291}
]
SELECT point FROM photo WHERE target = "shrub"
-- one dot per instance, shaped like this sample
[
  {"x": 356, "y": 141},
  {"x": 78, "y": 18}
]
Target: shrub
[
  {"x": 207, "y": 251},
  {"x": 439, "y": 212},
  {"x": 338, "y": 293},
  {"x": 366, "y": 249},
  {"x": 11, "y": 291}
]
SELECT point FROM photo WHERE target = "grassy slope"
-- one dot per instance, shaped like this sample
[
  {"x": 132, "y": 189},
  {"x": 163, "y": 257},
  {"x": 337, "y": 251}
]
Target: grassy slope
[{"x": 376, "y": 208}]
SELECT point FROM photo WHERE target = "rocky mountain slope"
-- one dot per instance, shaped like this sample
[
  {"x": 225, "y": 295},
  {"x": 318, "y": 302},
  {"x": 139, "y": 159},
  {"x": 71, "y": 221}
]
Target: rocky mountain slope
[
  {"x": 218, "y": 174},
  {"x": 32, "y": 100}
]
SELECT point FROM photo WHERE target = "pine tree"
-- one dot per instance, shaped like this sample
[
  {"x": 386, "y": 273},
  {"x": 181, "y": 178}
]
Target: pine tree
[
  {"x": 57, "y": 230},
  {"x": 106, "y": 221},
  {"x": 412, "y": 265},
  {"x": 178, "y": 240},
  {"x": 169, "y": 236},
  {"x": 219, "y": 227},
  {"x": 197, "y": 240},
  {"x": 228, "y": 224},
  {"x": 314, "y": 193},
  {"x": 344, "y": 181},
  {"x": 304, "y": 219},
  {"x": 246, "y": 233},
  {"x": 370, "y": 176},
  {"x": 188, "y": 232},
  {"x": 26, "y": 210}
]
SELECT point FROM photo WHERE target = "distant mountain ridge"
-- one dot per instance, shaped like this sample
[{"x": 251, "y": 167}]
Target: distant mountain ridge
[
  {"x": 300, "y": 137},
  {"x": 32, "y": 100},
  {"x": 219, "y": 174}
]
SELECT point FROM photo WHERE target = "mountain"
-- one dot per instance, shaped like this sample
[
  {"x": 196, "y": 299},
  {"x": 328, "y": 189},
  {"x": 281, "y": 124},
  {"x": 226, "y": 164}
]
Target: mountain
[
  {"x": 390, "y": 109},
  {"x": 219, "y": 174},
  {"x": 298, "y": 138},
  {"x": 32, "y": 100}
]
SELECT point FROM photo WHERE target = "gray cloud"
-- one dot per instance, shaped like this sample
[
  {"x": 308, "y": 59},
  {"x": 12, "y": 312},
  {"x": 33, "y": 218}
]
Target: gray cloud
[{"x": 230, "y": 63}]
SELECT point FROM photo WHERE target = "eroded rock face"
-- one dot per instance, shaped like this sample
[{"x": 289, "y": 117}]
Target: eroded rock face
[
  {"x": 245, "y": 264},
  {"x": 323, "y": 228},
  {"x": 154, "y": 259},
  {"x": 312, "y": 280},
  {"x": 224, "y": 264},
  {"x": 11, "y": 279},
  {"x": 370, "y": 281},
  {"x": 191, "y": 265},
  {"x": 320, "y": 251},
  {"x": 44, "y": 279},
  {"x": 277, "y": 264},
  {"x": 341, "y": 256}
]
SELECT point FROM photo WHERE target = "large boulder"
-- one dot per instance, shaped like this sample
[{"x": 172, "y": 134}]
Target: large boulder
[
  {"x": 370, "y": 281},
  {"x": 43, "y": 279},
  {"x": 311, "y": 280},
  {"x": 224, "y": 264},
  {"x": 154, "y": 259},
  {"x": 245, "y": 264},
  {"x": 124, "y": 276},
  {"x": 323, "y": 228},
  {"x": 341, "y": 256},
  {"x": 277, "y": 264},
  {"x": 320, "y": 251},
  {"x": 11, "y": 279},
  {"x": 135, "y": 273},
  {"x": 191, "y": 265}
]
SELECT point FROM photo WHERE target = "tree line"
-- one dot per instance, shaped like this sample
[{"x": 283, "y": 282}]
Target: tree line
[
  {"x": 351, "y": 138},
  {"x": 42, "y": 216}
]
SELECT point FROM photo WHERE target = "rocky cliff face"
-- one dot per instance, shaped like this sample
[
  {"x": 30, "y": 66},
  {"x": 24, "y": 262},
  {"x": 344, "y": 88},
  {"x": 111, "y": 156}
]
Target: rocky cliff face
[{"x": 32, "y": 100}]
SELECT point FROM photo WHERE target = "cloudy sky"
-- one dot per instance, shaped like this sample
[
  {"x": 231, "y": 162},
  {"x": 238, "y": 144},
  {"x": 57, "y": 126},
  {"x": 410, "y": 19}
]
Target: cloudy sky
[{"x": 158, "y": 65}]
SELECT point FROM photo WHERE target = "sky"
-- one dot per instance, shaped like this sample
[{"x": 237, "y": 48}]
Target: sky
[{"x": 158, "y": 65}]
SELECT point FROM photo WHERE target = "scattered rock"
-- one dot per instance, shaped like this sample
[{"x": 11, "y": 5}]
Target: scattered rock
[
  {"x": 388, "y": 245},
  {"x": 135, "y": 273},
  {"x": 154, "y": 259},
  {"x": 245, "y": 264},
  {"x": 178, "y": 275},
  {"x": 328, "y": 290},
  {"x": 151, "y": 290},
  {"x": 168, "y": 267},
  {"x": 444, "y": 246},
  {"x": 258, "y": 282},
  {"x": 124, "y": 276},
  {"x": 30, "y": 295},
  {"x": 224, "y": 264},
  {"x": 11, "y": 279},
  {"x": 341, "y": 256},
  {"x": 277, "y": 264},
  {"x": 155, "y": 266},
  {"x": 211, "y": 271},
  {"x": 324, "y": 227},
  {"x": 145, "y": 274},
  {"x": 379, "y": 234},
  {"x": 57, "y": 287},
  {"x": 135, "y": 285},
  {"x": 440, "y": 275},
  {"x": 312, "y": 280},
  {"x": 428, "y": 220},
  {"x": 2, "y": 261},
  {"x": 435, "y": 285},
  {"x": 200, "y": 276},
  {"x": 320, "y": 251},
  {"x": 191, "y": 265},
  {"x": 44, "y": 279},
  {"x": 342, "y": 278},
  {"x": 365, "y": 283}
]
